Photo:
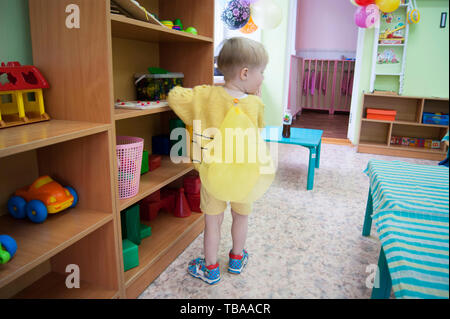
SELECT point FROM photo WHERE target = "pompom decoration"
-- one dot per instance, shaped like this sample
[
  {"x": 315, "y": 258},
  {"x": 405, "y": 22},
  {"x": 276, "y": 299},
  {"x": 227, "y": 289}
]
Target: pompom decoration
[
  {"x": 367, "y": 17},
  {"x": 387, "y": 5},
  {"x": 236, "y": 14},
  {"x": 364, "y": 3},
  {"x": 250, "y": 27}
]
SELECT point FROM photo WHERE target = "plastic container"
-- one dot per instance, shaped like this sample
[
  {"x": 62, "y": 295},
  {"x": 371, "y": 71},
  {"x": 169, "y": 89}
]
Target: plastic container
[
  {"x": 435, "y": 118},
  {"x": 156, "y": 87},
  {"x": 382, "y": 115},
  {"x": 129, "y": 160}
]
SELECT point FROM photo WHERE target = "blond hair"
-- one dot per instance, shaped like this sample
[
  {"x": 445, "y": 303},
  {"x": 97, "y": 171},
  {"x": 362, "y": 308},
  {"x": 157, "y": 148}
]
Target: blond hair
[{"x": 238, "y": 53}]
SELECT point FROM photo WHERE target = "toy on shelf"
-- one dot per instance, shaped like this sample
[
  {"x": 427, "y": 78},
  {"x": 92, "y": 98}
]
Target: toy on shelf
[
  {"x": 182, "y": 208},
  {"x": 178, "y": 23},
  {"x": 156, "y": 86},
  {"x": 191, "y": 30},
  {"x": 8, "y": 248},
  {"x": 152, "y": 204},
  {"x": 381, "y": 114},
  {"x": 167, "y": 23},
  {"x": 21, "y": 99},
  {"x": 415, "y": 142},
  {"x": 139, "y": 105},
  {"x": 144, "y": 167},
  {"x": 192, "y": 185},
  {"x": 154, "y": 162},
  {"x": 161, "y": 144},
  {"x": 132, "y": 234},
  {"x": 43, "y": 197},
  {"x": 435, "y": 118}
]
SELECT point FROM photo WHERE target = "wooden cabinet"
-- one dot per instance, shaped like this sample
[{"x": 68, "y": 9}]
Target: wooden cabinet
[
  {"x": 375, "y": 135},
  {"x": 88, "y": 68}
]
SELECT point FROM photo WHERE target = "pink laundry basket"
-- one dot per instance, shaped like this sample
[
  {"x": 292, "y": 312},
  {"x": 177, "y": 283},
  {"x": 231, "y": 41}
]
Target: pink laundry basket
[{"x": 129, "y": 160}]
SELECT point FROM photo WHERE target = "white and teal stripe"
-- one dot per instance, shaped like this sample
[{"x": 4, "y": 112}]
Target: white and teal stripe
[{"x": 411, "y": 215}]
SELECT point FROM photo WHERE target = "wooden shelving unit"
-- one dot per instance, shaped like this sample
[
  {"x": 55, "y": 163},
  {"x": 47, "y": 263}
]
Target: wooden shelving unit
[
  {"x": 88, "y": 68},
  {"x": 375, "y": 135}
]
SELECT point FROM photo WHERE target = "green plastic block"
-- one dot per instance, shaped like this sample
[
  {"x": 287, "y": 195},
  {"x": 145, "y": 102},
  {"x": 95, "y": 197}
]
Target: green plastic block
[
  {"x": 130, "y": 221},
  {"x": 130, "y": 254},
  {"x": 144, "y": 167},
  {"x": 145, "y": 231}
]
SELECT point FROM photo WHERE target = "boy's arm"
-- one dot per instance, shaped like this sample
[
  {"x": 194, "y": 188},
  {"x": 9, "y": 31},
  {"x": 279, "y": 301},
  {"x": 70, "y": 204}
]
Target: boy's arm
[
  {"x": 261, "y": 122},
  {"x": 181, "y": 102}
]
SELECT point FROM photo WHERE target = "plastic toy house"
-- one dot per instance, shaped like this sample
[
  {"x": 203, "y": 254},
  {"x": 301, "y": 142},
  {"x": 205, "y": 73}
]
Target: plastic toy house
[{"x": 21, "y": 100}]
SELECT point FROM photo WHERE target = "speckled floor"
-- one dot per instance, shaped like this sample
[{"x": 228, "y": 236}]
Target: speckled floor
[{"x": 302, "y": 244}]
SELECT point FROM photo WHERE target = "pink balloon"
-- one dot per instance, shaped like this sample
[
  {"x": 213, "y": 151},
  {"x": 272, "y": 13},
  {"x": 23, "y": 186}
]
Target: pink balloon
[{"x": 368, "y": 16}]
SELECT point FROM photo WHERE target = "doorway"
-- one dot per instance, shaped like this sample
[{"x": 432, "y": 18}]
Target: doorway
[{"x": 322, "y": 66}]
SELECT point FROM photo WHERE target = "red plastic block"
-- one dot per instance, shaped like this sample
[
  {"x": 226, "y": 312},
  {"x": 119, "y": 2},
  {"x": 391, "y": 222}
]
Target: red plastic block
[
  {"x": 194, "y": 202},
  {"x": 182, "y": 206},
  {"x": 192, "y": 184},
  {"x": 154, "y": 161},
  {"x": 22, "y": 77}
]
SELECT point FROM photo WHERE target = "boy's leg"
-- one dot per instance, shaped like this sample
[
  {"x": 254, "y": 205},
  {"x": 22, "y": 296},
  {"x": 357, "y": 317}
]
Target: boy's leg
[
  {"x": 211, "y": 237},
  {"x": 239, "y": 230}
]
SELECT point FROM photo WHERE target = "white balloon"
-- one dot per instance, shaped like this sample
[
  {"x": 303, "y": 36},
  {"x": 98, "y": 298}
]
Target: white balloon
[{"x": 266, "y": 14}]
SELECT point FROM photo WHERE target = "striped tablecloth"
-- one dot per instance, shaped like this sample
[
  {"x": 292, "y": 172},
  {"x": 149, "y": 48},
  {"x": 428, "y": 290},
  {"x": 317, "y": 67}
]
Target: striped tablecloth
[{"x": 411, "y": 215}]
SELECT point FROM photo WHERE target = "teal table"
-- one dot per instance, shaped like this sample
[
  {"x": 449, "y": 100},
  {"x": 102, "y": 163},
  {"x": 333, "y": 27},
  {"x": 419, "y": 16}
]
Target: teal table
[
  {"x": 409, "y": 205},
  {"x": 309, "y": 138}
]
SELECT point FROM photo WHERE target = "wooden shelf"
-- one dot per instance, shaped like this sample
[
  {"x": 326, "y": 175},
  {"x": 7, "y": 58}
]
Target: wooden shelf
[
  {"x": 39, "y": 242},
  {"x": 123, "y": 27},
  {"x": 405, "y": 123},
  {"x": 53, "y": 285},
  {"x": 167, "y": 232},
  {"x": 31, "y": 136},
  {"x": 121, "y": 114},
  {"x": 155, "y": 180}
]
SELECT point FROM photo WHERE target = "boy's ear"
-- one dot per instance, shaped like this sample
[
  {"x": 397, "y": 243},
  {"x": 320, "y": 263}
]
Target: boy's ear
[{"x": 244, "y": 74}]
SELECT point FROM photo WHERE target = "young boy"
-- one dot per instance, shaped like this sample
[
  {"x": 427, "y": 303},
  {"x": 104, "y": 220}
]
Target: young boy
[{"x": 242, "y": 62}]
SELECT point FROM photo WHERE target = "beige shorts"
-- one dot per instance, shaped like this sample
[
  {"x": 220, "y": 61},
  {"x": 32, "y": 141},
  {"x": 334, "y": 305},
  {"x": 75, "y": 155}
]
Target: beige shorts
[{"x": 213, "y": 206}]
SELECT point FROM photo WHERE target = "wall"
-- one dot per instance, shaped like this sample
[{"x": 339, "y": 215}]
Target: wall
[
  {"x": 427, "y": 61},
  {"x": 325, "y": 25},
  {"x": 15, "y": 37}
]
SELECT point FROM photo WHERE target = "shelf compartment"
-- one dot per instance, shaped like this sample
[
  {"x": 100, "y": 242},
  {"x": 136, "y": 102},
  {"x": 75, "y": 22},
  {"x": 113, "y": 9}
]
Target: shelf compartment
[
  {"x": 170, "y": 236},
  {"x": 155, "y": 180},
  {"x": 426, "y": 131},
  {"x": 52, "y": 286},
  {"x": 31, "y": 136},
  {"x": 408, "y": 108},
  {"x": 405, "y": 123},
  {"x": 127, "y": 28},
  {"x": 39, "y": 242},
  {"x": 376, "y": 133}
]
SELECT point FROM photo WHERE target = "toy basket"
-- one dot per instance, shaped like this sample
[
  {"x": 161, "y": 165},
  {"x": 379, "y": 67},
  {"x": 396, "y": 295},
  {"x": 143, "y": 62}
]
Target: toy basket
[{"x": 129, "y": 160}]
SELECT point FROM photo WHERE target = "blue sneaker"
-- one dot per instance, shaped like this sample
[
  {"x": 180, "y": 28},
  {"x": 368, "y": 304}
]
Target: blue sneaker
[
  {"x": 237, "y": 262},
  {"x": 197, "y": 268}
]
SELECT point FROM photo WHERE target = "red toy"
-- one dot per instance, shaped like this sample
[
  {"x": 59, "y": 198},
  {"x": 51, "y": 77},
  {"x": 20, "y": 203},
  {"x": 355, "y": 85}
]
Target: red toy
[
  {"x": 182, "y": 206},
  {"x": 192, "y": 185},
  {"x": 154, "y": 161},
  {"x": 152, "y": 204},
  {"x": 21, "y": 99}
]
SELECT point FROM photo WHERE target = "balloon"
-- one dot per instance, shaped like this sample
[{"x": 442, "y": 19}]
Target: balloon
[
  {"x": 364, "y": 3},
  {"x": 387, "y": 5},
  {"x": 236, "y": 14},
  {"x": 367, "y": 17},
  {"x": 266, "y": 14},
  {"x": 250, "y": 27}
]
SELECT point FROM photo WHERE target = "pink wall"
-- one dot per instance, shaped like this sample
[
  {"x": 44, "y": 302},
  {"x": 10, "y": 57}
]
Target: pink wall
[{"x": 326, "y": 25}]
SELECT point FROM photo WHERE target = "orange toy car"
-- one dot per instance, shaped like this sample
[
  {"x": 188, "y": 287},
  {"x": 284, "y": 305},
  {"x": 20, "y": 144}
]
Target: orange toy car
[{"x": 43, "y": 197}]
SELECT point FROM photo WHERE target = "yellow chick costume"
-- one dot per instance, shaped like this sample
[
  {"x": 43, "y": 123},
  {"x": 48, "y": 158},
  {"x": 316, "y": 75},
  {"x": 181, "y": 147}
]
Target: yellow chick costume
[{"x": 210, "y": 105}]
